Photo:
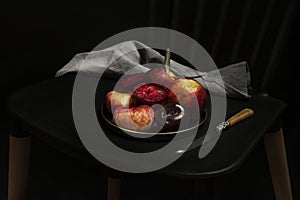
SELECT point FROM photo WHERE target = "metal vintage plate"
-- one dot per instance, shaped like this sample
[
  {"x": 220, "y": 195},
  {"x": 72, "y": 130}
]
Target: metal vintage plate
[{"x": 108, "y": 120}]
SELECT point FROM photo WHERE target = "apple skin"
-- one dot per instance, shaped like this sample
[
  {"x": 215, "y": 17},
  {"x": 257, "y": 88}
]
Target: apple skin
[
  {"x": 186, "y": 90},
  {"x": 117, "y": 99},
  {"x": 149, "y": 94},
  {"x": 139, "y": 118},
  {"x": 159, "y": 76},
  {"x": 127, "y": 83}
]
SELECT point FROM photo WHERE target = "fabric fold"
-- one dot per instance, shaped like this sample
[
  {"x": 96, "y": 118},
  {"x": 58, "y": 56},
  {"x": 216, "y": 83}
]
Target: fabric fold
[{"x": 131, "y": 56}]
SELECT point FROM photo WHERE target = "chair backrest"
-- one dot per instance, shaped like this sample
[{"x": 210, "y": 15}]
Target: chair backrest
[
  {"x": 233, "y": 31},
  {"x": 38, "y": 39}
]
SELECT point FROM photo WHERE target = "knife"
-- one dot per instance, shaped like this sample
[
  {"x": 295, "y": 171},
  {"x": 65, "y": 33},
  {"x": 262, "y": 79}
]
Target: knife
[
  {"x": 210, "y": 139},
  {"x": 167, "y": 61}
]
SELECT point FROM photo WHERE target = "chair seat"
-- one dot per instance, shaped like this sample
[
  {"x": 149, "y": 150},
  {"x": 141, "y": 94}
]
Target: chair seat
[{"x": 45, "y": 111}]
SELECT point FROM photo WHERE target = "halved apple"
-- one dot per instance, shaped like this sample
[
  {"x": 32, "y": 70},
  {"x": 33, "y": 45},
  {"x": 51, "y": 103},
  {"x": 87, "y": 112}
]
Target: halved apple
[
  {"x": 139, "y": 118},
  {"x": 185, "y": 90},
  {"x": 117, "y": 99},
  {"x": 149, "y": 94}
]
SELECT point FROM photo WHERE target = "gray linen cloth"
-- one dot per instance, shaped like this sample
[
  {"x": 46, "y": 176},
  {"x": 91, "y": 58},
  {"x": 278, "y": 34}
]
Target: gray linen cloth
[{"x": 133, "y": 55}]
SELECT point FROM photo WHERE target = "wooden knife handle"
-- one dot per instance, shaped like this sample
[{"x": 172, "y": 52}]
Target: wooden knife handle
[{"x": 245, "y": 113}]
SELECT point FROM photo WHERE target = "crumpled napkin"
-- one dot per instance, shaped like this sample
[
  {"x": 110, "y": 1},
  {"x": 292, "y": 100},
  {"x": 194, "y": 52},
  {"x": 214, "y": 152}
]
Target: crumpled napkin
[{"x": 133, "y": 55}]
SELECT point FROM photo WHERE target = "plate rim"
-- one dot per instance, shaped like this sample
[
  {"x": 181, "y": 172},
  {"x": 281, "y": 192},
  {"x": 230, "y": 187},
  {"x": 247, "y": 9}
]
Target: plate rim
[{"x": 151, "y": 133}]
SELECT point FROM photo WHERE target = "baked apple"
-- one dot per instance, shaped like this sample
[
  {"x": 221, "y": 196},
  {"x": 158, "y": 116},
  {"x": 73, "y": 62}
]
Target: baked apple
[
  {"x": 149, "y": 94},
  {"x": 117, "y": 99},
  {"x": 159, "y": 76},
  {"x": 185, "y": 90},
  {"x": 127, "y": 83},
  {"x": 139, "y": 118}
]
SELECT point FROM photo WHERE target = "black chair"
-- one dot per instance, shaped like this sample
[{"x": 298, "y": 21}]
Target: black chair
[{"x": 34, "y": 110}]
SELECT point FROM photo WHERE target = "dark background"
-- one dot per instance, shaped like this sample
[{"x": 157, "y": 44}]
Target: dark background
[{"x": 39, "y": 38}]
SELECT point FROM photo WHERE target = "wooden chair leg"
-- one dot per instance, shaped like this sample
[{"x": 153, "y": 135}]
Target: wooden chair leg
[
  {"x": 113, "y": 189},
  {"x": 275, "y": 149},
  {"x": 19, "y": 151}
]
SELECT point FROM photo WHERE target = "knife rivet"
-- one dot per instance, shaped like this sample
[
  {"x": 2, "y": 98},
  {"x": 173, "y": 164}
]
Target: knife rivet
[{"x": 180, "y": 151}]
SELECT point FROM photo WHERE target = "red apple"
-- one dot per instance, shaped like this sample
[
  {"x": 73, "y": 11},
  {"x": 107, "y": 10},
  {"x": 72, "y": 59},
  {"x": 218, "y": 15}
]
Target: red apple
[
  {"x": 139, "y": 118},
  {"x": 117, "y": 99},
  {"x": 159, "y": 76},
  {"x": 184, "y": 90},
  {"x": 128, "y": 82},
  {"x": 149, "y": 94}
]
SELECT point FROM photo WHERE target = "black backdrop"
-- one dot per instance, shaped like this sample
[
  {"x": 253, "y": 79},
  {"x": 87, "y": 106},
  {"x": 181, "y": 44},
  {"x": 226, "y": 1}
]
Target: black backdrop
[{"x": 38, "y": 38}]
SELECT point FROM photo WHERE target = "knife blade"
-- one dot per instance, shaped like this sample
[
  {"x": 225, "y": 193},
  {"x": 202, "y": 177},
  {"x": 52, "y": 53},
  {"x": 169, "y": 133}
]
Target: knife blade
[
  {"x": 167, "y": 61},
  {"x": 210, "y": 139}
]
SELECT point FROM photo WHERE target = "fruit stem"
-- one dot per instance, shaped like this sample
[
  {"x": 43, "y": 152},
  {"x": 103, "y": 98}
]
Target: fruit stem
[{"x": 167, "y": 61}]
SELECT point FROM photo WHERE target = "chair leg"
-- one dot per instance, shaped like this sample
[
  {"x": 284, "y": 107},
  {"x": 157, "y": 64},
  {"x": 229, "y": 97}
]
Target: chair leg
[
  {"x": 113, "y": 189},
  {"x": 19, "y": 151},
  {"x": 275, "y": 150}
]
